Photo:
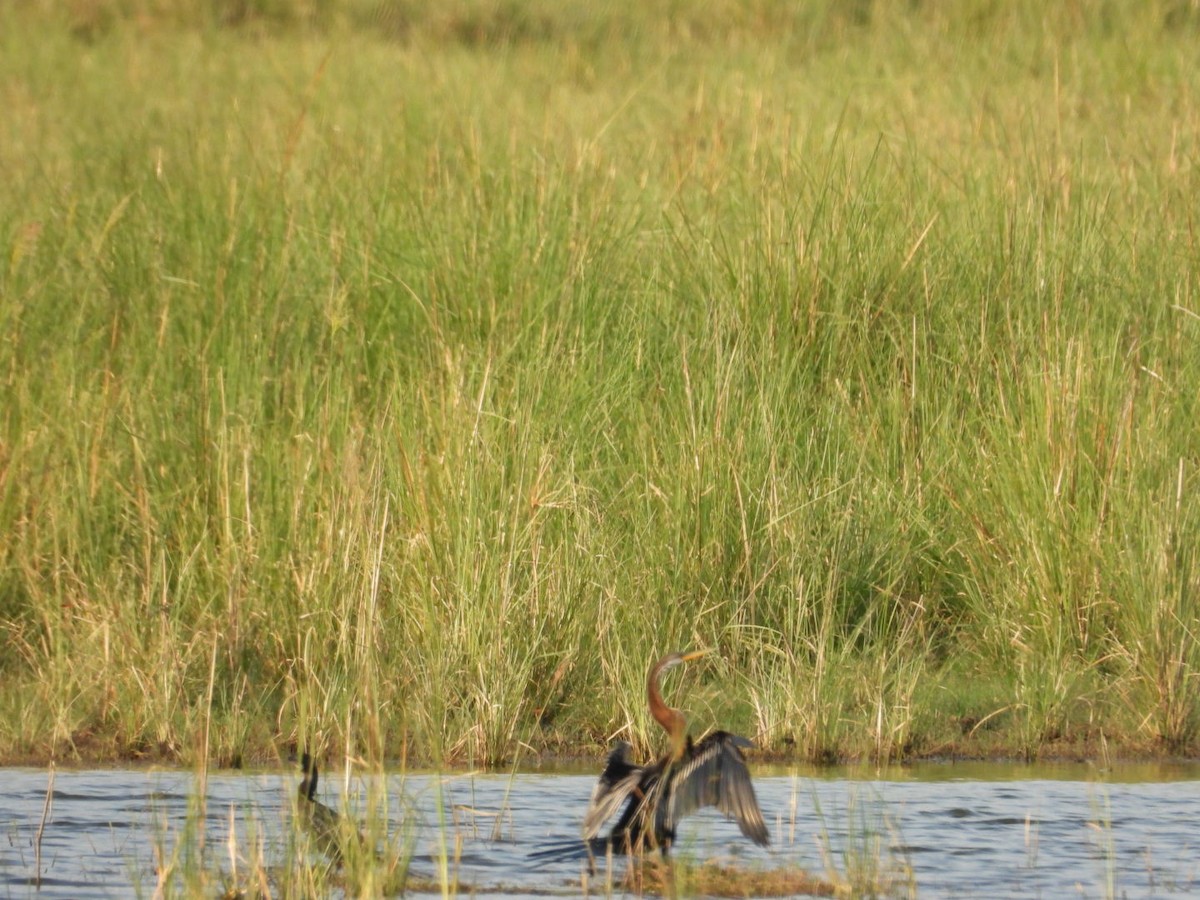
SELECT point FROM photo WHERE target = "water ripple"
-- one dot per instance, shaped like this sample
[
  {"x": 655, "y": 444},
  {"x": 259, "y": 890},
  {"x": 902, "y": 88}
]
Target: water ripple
[{"x": 953, "y": 838}]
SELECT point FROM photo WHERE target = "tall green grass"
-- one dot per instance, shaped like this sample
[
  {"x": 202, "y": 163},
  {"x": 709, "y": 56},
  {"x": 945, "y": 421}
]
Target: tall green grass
[
  {"x": 237, "y": 853},
  {"x": 418, "y": 375}
]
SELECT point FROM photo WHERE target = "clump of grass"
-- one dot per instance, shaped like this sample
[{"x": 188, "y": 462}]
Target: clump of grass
[
  {"x": 716, "y": 879},
  {"x": 864, "y": 865},
  {"x": 366, "y": 854}
]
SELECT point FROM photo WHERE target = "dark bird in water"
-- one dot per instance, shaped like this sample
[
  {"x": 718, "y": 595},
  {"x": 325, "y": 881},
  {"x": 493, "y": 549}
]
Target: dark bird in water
[
  {"x": 323, "y": 824},
  {"x": 690, "y": 776}
]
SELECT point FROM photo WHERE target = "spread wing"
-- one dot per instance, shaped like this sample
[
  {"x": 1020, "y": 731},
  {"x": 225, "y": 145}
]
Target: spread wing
[
  {"x": 715, "y": 774},
  {"x": 619, "y": 779}
]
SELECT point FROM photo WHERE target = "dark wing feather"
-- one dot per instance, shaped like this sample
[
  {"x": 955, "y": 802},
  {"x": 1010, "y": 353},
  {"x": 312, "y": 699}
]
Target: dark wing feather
[
  {"x": 714, "y": 773},
  {"x": 618, "y": 780}
]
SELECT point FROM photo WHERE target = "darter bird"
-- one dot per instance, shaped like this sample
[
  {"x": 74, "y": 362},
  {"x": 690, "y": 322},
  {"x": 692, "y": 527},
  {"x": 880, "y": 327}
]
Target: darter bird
[{"x": 690, "y": 776}]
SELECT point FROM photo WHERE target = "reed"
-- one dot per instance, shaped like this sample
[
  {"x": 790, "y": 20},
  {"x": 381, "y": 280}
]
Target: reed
[
  {"x": 867, "y": 863},
  {"x": 422, "y": 372},
  {"x": 237, "y": 854}
]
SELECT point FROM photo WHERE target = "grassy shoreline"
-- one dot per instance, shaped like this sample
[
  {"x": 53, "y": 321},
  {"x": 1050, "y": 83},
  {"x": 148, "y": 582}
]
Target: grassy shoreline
[{"x": 406, "y": 382}]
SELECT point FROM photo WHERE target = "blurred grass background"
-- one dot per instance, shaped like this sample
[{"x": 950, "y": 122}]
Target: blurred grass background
[{"x": 413, "y": 374}]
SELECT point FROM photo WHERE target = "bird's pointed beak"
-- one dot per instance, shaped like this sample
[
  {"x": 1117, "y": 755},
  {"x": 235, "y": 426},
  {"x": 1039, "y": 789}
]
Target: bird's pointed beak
[{"x": 696, "y": 654}]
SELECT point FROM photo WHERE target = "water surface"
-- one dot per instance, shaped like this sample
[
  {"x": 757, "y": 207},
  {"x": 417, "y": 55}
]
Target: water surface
[{"x": 940, "y": 831}]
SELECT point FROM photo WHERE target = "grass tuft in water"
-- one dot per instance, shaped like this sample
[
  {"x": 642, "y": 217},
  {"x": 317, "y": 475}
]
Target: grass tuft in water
[{"x": 681, "y": 878}]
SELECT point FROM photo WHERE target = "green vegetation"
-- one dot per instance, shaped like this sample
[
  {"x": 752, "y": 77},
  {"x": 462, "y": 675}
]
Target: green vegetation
[
  {"x": 238, "y": 858},
  {"x": 236, "y": 853},
  {"x": 651, "y": 876},
  {"x": 417, "y": 373}
]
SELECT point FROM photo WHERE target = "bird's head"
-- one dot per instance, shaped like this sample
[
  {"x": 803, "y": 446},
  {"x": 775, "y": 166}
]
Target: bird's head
[{"x": 671, "y": 660}]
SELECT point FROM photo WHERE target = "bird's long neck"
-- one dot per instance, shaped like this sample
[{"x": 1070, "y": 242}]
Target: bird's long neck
[
  {"x": 308, "y": 786},
  {"x": 671, "y": 720}
]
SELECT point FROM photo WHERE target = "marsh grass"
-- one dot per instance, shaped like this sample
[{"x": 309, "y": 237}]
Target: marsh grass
[
  {"x": 864, "y": 865},
  {"x": 235, "y": 853},
  {"x": 1103, "y": 841},
  {"x": 421, "y": 374},
  {"x": 688, "y": 878}
]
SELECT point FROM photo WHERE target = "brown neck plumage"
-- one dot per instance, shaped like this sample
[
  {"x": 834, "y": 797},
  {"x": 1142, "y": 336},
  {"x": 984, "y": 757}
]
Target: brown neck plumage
[{"x": 670, "y": 719}]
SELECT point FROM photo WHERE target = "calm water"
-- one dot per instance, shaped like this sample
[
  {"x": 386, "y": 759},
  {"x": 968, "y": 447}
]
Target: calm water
[{"x": 961, "y": 831}]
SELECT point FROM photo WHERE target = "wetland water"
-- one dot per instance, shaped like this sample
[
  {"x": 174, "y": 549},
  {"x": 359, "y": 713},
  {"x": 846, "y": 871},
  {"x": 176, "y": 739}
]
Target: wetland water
[{"x": 947, "y": 830}]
